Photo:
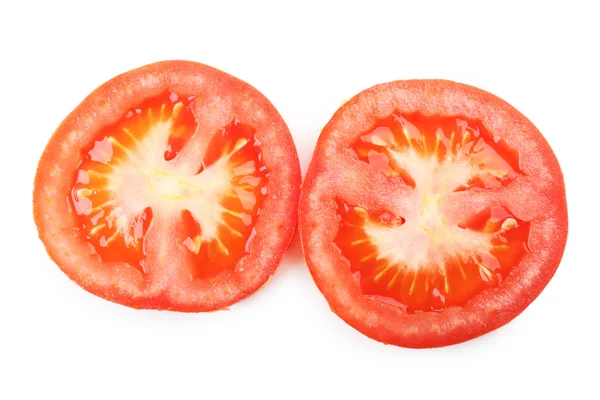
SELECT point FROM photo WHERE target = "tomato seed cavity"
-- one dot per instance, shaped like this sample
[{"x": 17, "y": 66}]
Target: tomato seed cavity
[
  {"x": 421, "y": 262},
  {"x": 147, "y": 163}
]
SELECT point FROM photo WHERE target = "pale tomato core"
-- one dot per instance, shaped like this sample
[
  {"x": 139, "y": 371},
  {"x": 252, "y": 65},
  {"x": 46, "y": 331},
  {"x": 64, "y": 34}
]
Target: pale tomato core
[
  {"x": 420, "y": 261},
  {"x": 155, "y": 161}
]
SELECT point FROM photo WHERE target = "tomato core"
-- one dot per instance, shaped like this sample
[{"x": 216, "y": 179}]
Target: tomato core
[
  {"x": 423, "y": 261},
  {"x": 149, "y": 164}
]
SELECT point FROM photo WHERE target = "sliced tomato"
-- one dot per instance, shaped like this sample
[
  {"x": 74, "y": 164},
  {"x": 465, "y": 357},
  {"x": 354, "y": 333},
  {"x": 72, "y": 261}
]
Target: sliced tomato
[
  {"x": 432, "y": 212},
  {"x": 173, "y": 186}
]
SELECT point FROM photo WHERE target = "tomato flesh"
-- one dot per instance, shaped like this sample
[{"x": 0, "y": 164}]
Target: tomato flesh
[
  {"x": 422, "y": 261},
  {"x": 130, "y": 172},
  {"x": 432, "y": 213},
  {"x": 173, "y": 186}
]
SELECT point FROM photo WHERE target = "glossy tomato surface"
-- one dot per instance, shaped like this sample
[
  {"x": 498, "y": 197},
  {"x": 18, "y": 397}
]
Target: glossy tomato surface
[
  {"x": 432, "y": 212},
  {"x": 173, "y": 186}
]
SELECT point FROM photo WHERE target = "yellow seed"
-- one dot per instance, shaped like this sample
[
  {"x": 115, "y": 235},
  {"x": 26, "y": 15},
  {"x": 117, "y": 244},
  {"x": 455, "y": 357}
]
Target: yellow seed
[
  {"x": 234, "y": 231},
  {"x": 446, "y": 282},
  {"x": 393, "y": 280},
  {"x": 238, "y": 145},
  {"x": 96, "y": 229},
  {"x": 231, "y": 212},
  {"x": 452, "y": 142},
  {"x": 361, "y": 212},
  {"x": 465, "y": 138},
  {"x": 118, "y": 144},
  {"x": 130, "y": 134},
  {"x": 413, "y": 284},
  {"x": 497, "y": 173},
  {"x": 104, "y": 204},
  {"x": 381, "y": 273},
  {"x": 366, "y": 258},
  {"x": 378, "y": 141},
  {"x": 197, "y": 244},
  {"x": 95, "y": 174},
  {"x": 485, "y": 270},
  {"x": 222, "y": 246},
  {"x": 112, "y": 237},
  {"x": 428, "y": 231},
  {"x": 84, "y": 192},
  {"x": 406, "y": 135},
  {"x": 509, "y": 223},
  {"x": 462, "y": 272},
  {"x": 177, "y": 108}
]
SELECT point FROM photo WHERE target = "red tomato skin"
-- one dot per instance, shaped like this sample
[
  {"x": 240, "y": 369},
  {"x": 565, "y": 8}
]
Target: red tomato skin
[
  {"x": 491, "y": 308},
  {"x": 55, "y": 220}
]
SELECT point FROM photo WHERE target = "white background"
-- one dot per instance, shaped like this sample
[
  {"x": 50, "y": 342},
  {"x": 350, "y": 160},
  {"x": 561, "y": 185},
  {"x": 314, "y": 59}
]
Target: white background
[{"x": 56, "y": 340}]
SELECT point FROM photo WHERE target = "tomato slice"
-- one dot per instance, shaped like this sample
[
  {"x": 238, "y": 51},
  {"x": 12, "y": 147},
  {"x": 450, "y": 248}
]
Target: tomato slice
[
  {"x": 432, "y": 212},
  {"x": 173, "y": 186}
]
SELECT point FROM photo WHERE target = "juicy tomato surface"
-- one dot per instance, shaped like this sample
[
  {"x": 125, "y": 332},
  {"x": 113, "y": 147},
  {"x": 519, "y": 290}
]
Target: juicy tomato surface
[
  {"x": 432, "y": 212},
  {"x": 173, "y": 186}
]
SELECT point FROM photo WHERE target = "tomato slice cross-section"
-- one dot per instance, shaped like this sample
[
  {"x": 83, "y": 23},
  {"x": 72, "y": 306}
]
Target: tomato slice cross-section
[
  {"x": 432, "y": 213},
  {"x": 173, "y": 186}
]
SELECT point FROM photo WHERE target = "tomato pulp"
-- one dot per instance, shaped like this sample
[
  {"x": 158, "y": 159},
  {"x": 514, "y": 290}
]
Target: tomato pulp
[
  {"x": 172, "y": 186},
  {"x": 432, "y": 212}
]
